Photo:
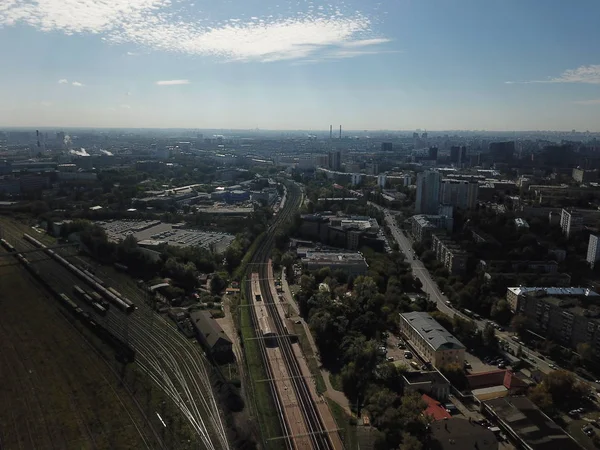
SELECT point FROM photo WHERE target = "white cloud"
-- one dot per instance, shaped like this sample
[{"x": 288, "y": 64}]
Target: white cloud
[
  {"x": 171, "y": 82},
  {"x": 343, "y": 54},
  {"x": 124, "y": 106},
  {"x": 595, "y": 101},
  {"x": 365, "y": 42},
  {"x": 157, "y": 24},
  {"x": 583, "y": 74},
  {"x": 77, "y": 84},
  {"x": 63, "y": 81},
  {"x": 131, "y": 54}
]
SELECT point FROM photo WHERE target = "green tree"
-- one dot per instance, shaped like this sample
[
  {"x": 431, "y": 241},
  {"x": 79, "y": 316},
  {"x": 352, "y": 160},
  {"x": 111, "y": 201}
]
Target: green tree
[
  {"x": 519, "y": 324},
  {"x": 500, "y": 311},
  {"x": 217, "y": 284},
  {"x": 410, "y": 442},
  {"x": 585, "y": 352},
  {"x": 542, "y": 398},
  {"x": 490, "y": 340}
]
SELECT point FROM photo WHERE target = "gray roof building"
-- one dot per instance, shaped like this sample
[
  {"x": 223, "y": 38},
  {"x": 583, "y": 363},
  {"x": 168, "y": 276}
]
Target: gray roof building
[
  {"x": 432, "y": 332},
  {"x": 210, "y": 333}
]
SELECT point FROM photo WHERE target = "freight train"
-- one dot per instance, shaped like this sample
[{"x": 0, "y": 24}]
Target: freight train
[
  {"x": 109, "y": 294},
  {"x": 124, "y": 352},
  {"x": 89, "y": 300}
]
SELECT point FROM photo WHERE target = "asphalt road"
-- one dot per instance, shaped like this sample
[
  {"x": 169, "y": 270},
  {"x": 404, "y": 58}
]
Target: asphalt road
[{"x": 431, "y": 288}]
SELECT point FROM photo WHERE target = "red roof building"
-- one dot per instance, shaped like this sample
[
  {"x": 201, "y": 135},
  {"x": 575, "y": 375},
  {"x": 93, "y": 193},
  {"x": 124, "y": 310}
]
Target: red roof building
[{"x": 435, "y": 408}]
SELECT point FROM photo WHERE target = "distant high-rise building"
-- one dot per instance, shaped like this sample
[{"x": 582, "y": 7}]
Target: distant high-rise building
[
  {"x": 593, "y": 252},
  {"x": 502, "y": 152},
  {"x": 381, "y": 181},
  {"x": 335, "y": 160},
  {"x": 60, "y": 137},
  {"x": 387, "y": 147},
  {"x": 428, "y": 192},
  {"x": 463, "y": 155},
  {"x": 433, "y": 153},
  {"x": 454, "y": 154}
]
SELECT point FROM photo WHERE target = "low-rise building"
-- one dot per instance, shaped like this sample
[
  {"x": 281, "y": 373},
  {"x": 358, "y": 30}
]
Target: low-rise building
[
  {"x": 211, "y": 335},
  {"x": 432, "y": 341},
  {"x": 528, "y": 425},
  {"x": 459, "y": 434},
  {"x": 351, "y": 263},
  {"x": 432, "y": 383}
]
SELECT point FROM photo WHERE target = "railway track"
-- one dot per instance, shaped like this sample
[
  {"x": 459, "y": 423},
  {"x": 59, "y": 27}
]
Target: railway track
[
  {"x": 176, "y": 366},
  {"x": 318, "y": 435}
]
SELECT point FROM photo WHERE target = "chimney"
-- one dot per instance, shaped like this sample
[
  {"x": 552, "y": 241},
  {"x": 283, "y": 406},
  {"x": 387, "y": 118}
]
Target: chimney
[{"x": 340, "y": 131}]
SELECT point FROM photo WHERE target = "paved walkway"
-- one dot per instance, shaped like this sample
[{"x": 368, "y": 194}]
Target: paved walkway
[{"x": 337, "y": 396}]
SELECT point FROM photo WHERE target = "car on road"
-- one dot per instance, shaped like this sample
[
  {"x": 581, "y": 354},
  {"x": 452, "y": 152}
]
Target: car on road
[
  {"x": 448, "y": 303},
  {"x": 552, "y": 366},
  {"x": 390, "y": 359},
  {"x": 408, "y": 355}
]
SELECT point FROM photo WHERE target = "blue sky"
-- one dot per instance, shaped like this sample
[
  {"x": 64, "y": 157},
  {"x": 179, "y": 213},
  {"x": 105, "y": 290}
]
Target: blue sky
[{"x": 275, "y": 64}]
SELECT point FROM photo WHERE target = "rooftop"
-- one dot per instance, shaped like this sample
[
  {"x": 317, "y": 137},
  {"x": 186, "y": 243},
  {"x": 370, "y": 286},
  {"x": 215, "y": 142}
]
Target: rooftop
[
  {"x": 424, "y": 377},
  {"x": 455, "y": 434},
  {"x": 435, "y": 408},
  {"x": 432, "y": 332},
  {"x": 527, "y": 421},
  {"x": 554, "y": 291},
  {"x": 334, "y": 257}
]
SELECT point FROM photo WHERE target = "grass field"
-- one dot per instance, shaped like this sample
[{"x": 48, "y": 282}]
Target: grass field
[
  {"x": 347, "y": 426},
  {"x": 311, "y": 359},
  {"x": 55, "y": 391}
]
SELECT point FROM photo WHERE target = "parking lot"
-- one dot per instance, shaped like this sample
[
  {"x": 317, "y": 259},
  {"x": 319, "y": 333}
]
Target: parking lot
[
  {"x": 396, "y": 352},
  {"x": 153, "y": 230}
]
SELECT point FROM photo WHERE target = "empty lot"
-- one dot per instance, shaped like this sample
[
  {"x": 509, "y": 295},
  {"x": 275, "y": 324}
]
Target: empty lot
[{"x": 56, "y": 392}]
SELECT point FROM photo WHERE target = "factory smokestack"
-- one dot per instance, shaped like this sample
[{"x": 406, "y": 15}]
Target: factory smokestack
[{"x": 340, "y": 131}]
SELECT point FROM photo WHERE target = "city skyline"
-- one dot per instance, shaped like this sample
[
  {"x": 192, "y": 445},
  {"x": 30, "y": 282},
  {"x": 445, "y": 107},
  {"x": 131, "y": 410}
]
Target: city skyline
[{"x": 300, "y": 65}]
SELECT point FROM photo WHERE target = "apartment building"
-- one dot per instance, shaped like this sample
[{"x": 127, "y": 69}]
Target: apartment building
[
  {"x": 450, "y": 254},
  {"x": 514, "y": 295},
  {"x": 460, "y": 193},
  {"x": 571, "y": 222},
  {"x": 593, "y": 252},
  {"x": 569, "y": 316},
  {"x": 422, "y": 226},
  {"x": 430, "y": 340}
]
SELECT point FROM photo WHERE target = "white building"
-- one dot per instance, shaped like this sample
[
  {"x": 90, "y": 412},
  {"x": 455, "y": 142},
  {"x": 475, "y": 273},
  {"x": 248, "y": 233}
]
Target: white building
[
  {"x": 381, "y": 181},
  {"x": 570, "y": 222},
  {"x": 356, "y": 179},
  {"x": 593, "y": 252}
]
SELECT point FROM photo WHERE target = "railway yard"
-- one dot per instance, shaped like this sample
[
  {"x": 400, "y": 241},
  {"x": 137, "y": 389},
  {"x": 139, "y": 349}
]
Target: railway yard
[
  {"x": 305, "y": 419},
  {"x": 69, "y": 393}
]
